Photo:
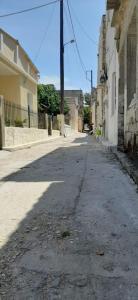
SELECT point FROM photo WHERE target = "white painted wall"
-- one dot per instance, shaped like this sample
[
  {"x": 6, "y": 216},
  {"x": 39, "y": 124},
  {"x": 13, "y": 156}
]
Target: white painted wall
[
  {"x": 112, "y": 67},
  {"x": 15, "y": 136}
]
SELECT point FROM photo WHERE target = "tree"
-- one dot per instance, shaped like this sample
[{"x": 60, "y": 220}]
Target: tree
[
  {"x": 87, "y": 98},
  {"x": 49, "y": 99},
  {"x": 87, "y": 115}
]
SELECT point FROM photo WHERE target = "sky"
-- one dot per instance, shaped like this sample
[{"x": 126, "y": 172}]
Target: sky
[{"x": 38, "y": 33}]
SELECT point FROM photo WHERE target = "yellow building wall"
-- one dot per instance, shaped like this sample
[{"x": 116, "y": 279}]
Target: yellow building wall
[
  {"x": 22, "y": 61},
  {"x": 16, "y": 89},
  {"x": 10, "y": 88},
  {"x": 27, "y": 87}
]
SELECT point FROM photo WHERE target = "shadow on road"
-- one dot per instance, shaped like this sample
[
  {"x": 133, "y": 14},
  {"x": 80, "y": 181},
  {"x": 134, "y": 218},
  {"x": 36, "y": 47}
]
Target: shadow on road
[
  {"x": 46, "y": 192},
  {"x": 68, "y": 225}
]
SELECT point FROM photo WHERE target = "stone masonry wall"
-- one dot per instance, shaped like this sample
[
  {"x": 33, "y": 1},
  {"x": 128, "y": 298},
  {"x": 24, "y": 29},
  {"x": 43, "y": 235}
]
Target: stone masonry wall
[
  {"x": 131, "y": 130},
  {"x": 15, "y": 136}
]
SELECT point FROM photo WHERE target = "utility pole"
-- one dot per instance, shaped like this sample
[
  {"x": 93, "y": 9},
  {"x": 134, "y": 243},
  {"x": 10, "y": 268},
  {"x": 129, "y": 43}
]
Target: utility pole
[{"x": 62, "y": 66}]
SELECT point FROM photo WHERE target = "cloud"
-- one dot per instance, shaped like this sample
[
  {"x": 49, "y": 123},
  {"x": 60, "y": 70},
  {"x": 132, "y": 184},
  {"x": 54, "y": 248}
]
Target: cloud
[{"x": 56, "y": 81}]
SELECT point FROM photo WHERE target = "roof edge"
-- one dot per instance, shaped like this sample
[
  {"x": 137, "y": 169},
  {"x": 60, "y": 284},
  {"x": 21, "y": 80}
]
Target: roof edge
[{"x": 17, "y": 42}]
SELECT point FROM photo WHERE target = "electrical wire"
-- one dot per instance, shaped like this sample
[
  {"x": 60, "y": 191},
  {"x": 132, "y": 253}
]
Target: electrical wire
[
  {"x": 67, "y": 37},
  {"x": 68, "y": 24},
  {"x": 74, "y": 46},
  {"x": 89, "y": 37},
  {"x": 76, "y": 43},
  {"x": 82, "y": 27},
  {"x": 68, "y": 59},
  {"x": 45, "y": 35},
  {"x": 28, "y": 9}
]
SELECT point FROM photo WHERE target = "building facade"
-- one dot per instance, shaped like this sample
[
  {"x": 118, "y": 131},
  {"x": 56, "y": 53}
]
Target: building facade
[
  {"x": 18, "y": 75},
  {"x": 124, "y": 22},
  {"x": 120, "y": 112},
  {"x": 112, "y": 66},
  {"x": 98, "y": 105}
]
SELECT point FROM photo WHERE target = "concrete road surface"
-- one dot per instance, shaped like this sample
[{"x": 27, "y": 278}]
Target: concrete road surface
[{"x": 68, "y": 224}]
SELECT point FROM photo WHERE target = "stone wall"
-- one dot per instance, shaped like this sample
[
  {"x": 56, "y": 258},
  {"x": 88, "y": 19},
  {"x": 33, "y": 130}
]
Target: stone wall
[
  {"x": 131, "y": 129},
  {"x": 94, "y": 119},
  {"x": 15, "y": 136},
  {"x": 99, "y": 115},
  {"x": 68, "y": 130},
  {"x": 55, "y": 133},
  {"x": 130, "y": 78},
  {"x": 122, "y": 59},
  {"x": 111, "y": 117},
  {"x": 80, "y": 124}
]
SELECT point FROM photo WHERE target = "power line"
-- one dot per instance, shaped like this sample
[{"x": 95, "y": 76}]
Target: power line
[
  {"x": 68, "y": 22},
  {"x": 45, "y": 35},
  {"x": 67, "y": 38},
  {"x": 76, "y": 43},
  {"x": 88, "y": 36},
  {"x": 28, "y": 9},
  {"x": 75, "y": 52},
  {"x": 70, "y": 31},
  {"x": 82, "y": 27},
  {"x": 68, "y": 61}
]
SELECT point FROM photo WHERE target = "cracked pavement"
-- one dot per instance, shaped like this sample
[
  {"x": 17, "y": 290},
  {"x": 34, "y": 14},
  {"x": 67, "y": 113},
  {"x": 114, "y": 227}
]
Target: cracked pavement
[{"x": 69, "y": 223}]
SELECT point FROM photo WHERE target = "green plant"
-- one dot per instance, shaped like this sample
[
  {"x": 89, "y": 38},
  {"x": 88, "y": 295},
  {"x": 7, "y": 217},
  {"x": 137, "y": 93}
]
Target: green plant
[
  {"x": 18, "y": 123},
  {"x": 49, "y": 100},
  {"x": 86, "y": 114},
  {"x": 98, "y": 132},
  {"x": 7, "y": 123}
]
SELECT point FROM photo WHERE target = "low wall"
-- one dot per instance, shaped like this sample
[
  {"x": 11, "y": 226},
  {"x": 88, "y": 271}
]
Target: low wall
[
  {"x": 55, "y": 133},
  {"x": 15, "y": 136},
  {"x": 68, "y": 130}
]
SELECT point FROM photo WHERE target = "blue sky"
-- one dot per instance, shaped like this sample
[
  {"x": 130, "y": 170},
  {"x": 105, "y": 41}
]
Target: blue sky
[{"x": 38, "y": 33}]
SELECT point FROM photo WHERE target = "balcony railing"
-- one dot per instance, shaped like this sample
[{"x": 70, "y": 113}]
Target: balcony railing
[{"x": 12, "y": 50}]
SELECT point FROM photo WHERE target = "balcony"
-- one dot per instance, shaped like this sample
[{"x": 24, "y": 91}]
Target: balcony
[{"x": 13, "y": 56}]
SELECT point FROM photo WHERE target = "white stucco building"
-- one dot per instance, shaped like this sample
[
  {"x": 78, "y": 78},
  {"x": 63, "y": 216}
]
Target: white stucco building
[
  {"x": 111, "y": 116},
  {"x": 120, "y": 101}
]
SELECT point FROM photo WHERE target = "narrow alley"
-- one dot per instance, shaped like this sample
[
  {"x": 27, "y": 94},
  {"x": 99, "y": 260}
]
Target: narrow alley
[{"x": 69, "y": 227}]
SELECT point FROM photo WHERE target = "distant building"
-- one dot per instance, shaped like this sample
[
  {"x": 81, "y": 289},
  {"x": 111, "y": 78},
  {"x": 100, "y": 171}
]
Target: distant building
[{"x": 74, "y": 99}]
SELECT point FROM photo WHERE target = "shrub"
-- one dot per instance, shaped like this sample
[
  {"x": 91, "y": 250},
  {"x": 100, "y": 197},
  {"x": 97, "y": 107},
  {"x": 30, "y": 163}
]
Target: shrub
[
  {"x": 7, "y": 123},
  {"x": 18, "y": 123},
  {"x": 98, "y": 132}
]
